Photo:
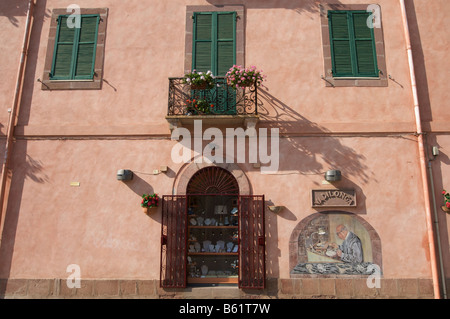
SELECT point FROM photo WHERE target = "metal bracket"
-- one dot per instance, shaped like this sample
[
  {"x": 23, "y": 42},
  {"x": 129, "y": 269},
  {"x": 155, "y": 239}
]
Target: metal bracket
[{"x": 323, "y": 78}]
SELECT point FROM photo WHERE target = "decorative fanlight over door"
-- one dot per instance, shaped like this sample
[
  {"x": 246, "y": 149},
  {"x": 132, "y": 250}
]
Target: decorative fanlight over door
[{"x": 212, "y": 180}]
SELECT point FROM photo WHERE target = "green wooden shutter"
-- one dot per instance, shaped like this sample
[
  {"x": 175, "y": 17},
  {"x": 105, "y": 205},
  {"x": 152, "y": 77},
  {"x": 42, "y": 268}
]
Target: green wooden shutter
[
  {"x": 74, "y": 51},
  {"x": 340, "y": 44},
  {"x": 214, "y": 49},
  {"x": 63, "y": 52},
  {"x": 203, "y": 44},
  {"x": 84, "y": 67},
  {"x": 225, "y": 42},
  {"x": 214, "y": 43},
  {"x": 352, "y": 42},
  {"x": 365, "y": 54}
]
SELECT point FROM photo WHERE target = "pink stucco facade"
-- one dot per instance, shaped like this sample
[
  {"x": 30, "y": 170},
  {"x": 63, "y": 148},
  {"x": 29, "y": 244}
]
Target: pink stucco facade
[{"x": 63, "y": 204}]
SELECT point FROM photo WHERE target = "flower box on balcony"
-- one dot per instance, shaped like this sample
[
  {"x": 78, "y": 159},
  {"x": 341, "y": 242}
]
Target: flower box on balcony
[{"x": 202, "y": 86}]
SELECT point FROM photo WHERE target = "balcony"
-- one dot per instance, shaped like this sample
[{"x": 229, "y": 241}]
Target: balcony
[{"x": 221, "y": 105}]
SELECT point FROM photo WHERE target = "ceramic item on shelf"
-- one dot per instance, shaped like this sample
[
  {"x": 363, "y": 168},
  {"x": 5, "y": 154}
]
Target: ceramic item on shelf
[
  {"x": 206, "y": 244},
  {"x": 207, "y": 221},
  {"x": 221, "y": 244},
  {"x": 197, "y": 247},
  {"x": 220, "y": 210},
  {"x": 193, "y": 221},
  {"x": 211, "y": 248},
  {"x": 204, "y": 269},
  {"x": 229, "y": 246},
  {"x": 200, "y": 221}
]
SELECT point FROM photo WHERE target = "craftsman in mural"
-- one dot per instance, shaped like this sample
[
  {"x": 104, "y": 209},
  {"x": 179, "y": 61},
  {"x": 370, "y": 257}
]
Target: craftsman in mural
[
  {"x": 351, "y": 248},
  {"x": 333, "y": 244}
]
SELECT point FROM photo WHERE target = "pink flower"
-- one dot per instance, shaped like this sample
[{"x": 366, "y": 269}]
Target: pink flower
[{"x": 447, "y": 204}]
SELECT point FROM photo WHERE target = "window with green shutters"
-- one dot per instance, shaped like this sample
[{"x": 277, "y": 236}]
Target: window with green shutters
[
  {"x": 75, "y": 49},
  {"x": 214, "y": 42},
  {"x": 352, "y": 43}
]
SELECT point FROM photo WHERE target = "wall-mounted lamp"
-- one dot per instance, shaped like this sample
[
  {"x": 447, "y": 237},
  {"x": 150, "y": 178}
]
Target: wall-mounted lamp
[
  {"x": 435, "y": 151},
  {"x": 275, "y": 209},
  {"x": 124, "y": 175},
  {"x": 333, "y": 175}
]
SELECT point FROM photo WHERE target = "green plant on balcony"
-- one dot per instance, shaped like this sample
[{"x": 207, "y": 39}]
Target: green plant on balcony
[
  {"x": 199, "y": 106},
  {"x": 240, "y": 77},
  {"x": 199, "y": 80}
]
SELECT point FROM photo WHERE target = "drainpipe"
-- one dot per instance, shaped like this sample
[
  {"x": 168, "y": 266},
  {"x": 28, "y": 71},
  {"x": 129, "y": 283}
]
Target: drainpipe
[
  {"x": 13, "y": 110},
  {"x": 423, "y": 164}
]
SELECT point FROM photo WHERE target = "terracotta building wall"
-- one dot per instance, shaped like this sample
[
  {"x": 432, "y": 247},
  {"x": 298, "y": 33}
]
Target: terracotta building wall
[
  {"x": 98, "y": 223},
  {"x": 65, "y": 205},
  {"x": 150, "y": 59}
]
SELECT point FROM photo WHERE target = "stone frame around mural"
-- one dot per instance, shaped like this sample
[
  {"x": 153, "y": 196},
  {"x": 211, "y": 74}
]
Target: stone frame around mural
[{"x": 294, "y": 258}]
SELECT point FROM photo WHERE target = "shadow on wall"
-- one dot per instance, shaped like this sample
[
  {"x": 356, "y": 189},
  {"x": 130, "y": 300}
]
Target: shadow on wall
[
  {"x": 316, "y": 157},
  {"x": 140, "y": 186},
  {"x": 419, "y": 62},
  {"x": 41, "y": 15},
  {"x": 34, "y": 170},
  {"x": 332, "y": 152},
  {"x": 25, "y": 166},
  {"x": 299, "y": 6},
  {"x": 13, "y": 9}
]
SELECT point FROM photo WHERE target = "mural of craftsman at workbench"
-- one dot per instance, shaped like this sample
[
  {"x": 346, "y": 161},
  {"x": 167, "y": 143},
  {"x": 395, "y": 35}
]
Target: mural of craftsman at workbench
[{"x": 334, "y": 243}]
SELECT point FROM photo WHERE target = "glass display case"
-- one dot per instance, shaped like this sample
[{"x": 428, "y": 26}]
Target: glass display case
[{"x": 213, "y": 239}]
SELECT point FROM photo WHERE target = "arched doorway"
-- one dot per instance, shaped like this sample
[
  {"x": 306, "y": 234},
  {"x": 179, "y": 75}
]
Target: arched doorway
[
  {"x": 212, "y": 233},
  {"x": 213, "y": 227}
]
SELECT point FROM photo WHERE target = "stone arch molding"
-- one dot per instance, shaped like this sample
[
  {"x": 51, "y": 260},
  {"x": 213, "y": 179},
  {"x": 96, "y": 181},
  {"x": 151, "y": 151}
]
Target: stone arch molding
[
  {"x": 186, "y": 173},
  {"x": 305, "y": 260}
]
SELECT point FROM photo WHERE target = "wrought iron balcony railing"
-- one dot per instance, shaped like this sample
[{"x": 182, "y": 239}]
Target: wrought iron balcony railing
[{"x": 222, "y": 99}]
